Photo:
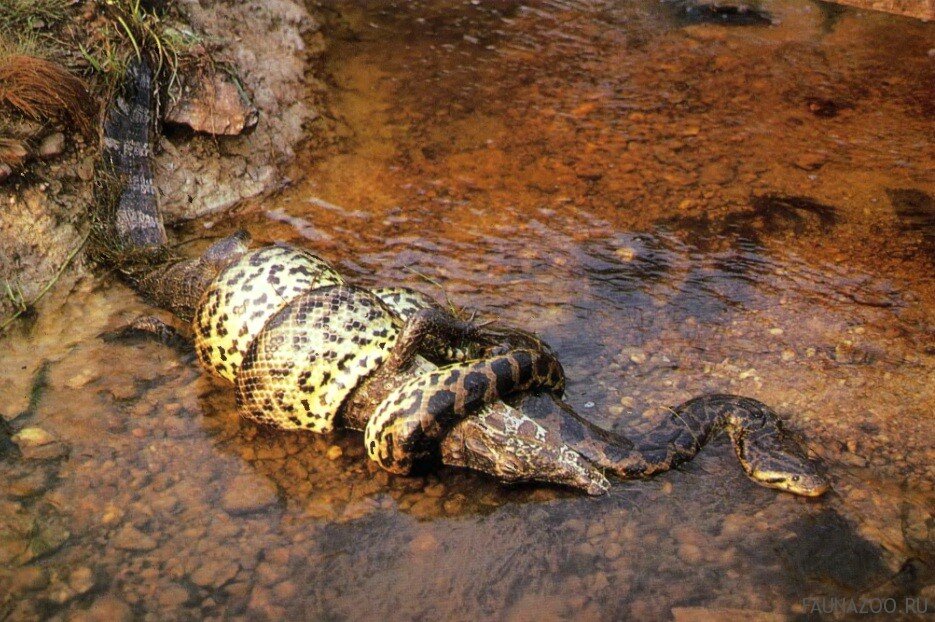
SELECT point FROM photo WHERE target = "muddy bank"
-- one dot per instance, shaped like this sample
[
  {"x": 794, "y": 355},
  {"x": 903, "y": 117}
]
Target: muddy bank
[{"x": 273, "y": 46}]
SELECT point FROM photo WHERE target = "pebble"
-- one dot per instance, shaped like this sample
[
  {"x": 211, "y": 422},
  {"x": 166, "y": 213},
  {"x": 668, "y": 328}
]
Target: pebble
[
  {"x": 690, "y": 553},
  {"x": 810, "y": 161},
  {"x": 129, "y": 538},
  {"x": 104, "y": 609},
  {"x": 852, "y": 459},
  {"x": 246, "y": 494},
  {"x": 334, "y": 452},
  {"x": 52, "y": 145},
  {"x": 81, "y": 580},
  {"x": 215, "y": 573},
  {"x": 30, "y": 485},
  {"x": 49, "y": 537},
  {"x": 787, "y": 355},
  {"x": 173, "y": 596},
  {"x": 28, "y": 579},
  {"x": 28, "y": 438}
]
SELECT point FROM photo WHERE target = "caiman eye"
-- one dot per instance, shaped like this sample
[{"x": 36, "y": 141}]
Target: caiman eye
[{"x": 795, "y": 478}]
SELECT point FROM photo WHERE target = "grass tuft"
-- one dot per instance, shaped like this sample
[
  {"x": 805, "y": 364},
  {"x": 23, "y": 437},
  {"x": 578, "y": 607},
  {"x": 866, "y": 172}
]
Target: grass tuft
[{"x": 29, "y": 15}]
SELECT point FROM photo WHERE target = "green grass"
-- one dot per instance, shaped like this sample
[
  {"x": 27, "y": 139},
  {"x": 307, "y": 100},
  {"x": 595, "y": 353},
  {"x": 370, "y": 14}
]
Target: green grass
[{"x": 30, "y": 15}]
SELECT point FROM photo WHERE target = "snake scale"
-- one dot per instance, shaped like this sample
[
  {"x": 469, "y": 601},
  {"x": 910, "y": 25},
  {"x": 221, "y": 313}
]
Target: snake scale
[{"x": 305, "y": 350}]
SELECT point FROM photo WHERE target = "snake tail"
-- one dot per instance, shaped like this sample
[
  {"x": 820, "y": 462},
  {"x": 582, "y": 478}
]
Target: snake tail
[{"x": 128, "y": 139}]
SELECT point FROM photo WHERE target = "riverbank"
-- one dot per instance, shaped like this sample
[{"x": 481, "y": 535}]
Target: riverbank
[{"x": 272, "y": 47}]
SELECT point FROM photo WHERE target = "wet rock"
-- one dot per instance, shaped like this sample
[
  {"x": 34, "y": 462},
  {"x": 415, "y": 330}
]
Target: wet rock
[
  {"x": 285, "y": 590},
  {"x": 38, "y": 444},
  {"x": 104, "y": 609},
  {"x": 261, "y": 605},
  {"x": 32, "y": 437},
  {"x": 318, "y": 508},
  {"x": 212, "y": 102},
  {"x": 81, "y": 580},
  {"x": 129, "y": 538},
  {"x": 173, "y": 596},
  {"x": 690, "y": 554},
  {"x": 334, "y": 452},
  {"x": 28, "y": 579},
  {"x": 810, "y": 161},
  {"x": 246, "y": 494},
  {"x": 49, "y": 536},
  {"x": 215, "y": 573},
  {"x": 29, "y": 485},
  {"x": 52, "y": 145}
]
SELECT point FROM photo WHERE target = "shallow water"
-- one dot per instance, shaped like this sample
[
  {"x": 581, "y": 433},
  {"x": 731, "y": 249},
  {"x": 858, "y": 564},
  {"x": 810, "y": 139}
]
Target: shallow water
[{"x": 678, "y": 206}]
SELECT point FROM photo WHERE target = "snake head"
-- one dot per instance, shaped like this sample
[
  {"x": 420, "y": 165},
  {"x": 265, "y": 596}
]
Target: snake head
[
  {"x": 798, "y": 481},
  {"x": 779, "y": 461}
]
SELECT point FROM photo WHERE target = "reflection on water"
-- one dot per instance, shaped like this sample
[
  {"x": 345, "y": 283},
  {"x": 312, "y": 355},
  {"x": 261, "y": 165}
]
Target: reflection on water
[{"x": 679, "y": 205}]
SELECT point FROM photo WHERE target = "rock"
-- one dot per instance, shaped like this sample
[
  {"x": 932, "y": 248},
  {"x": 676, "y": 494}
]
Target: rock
[
  {"x": 334, "y": 452},
  {"x": 28, "y": 579},
  {"x": 212, "y": 102},
  {"x": 38, "y": 444},
  {"x": 690, "y": 554},
  {"x": 246, "y": 494},
  {"x": 716, "y": 173},
  {"x": 215, "y": 573},
  {"x": 129, "y": 538},
  {"x": 810, "y": 161},
  {"x": 104, "y": 609},
  {"x": 852, "y": 459},
  {"x": 52, "y": 145},
  {"x": 29, "y": 485},
  {"x": 173, "y": 596},
  {"x": 81, "y": 580},
  {"x": 286, "y": 590},
  {"x": 32, "y": 437},
  {"x": 49, "y": 537}
]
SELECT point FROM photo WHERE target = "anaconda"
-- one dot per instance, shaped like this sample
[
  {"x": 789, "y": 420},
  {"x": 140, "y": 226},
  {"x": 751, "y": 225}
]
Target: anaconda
[{"x": 306, "y": 350}]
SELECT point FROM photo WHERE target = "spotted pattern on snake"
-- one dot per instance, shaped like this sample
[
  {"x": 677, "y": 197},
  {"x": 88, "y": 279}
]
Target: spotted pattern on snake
[
  {"x": 416, "y": 415},
  {"x": 239, "y": 301},
  {"x": 311, "y": 354}
]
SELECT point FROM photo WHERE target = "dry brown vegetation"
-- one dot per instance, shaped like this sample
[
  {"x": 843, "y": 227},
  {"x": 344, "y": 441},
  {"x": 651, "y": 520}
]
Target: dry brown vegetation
[
  {"x": 12, "y": 152},
  {"x": 44, "y": 90}
]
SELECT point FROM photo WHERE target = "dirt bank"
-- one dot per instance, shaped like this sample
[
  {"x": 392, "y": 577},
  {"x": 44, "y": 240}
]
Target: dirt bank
[{"x": 272, "y": 45}]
